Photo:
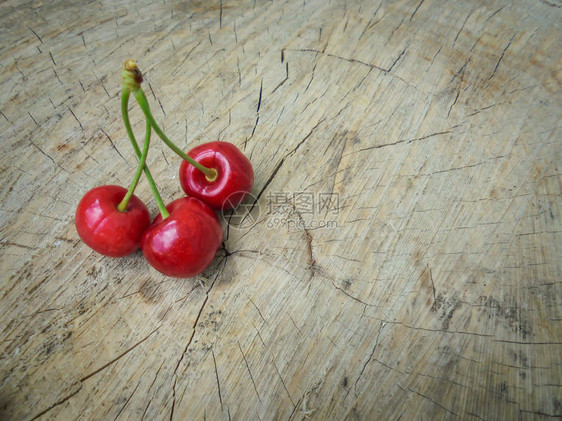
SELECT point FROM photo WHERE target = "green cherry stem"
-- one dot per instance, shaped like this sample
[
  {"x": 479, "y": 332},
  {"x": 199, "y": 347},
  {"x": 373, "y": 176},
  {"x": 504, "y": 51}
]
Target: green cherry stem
[
  {"x": 125, "y": 113},
  {"x": 210, "y": 173},
  {"x": 122, "y": 207},
  {"x": 132, "y": 79}
]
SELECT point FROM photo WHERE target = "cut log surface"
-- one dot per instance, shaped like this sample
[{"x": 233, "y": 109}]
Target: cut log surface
[{"x": 400, "y": 255}]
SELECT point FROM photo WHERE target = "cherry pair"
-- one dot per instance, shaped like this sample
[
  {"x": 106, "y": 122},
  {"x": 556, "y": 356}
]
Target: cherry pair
[{"x": 184, "y": 238}]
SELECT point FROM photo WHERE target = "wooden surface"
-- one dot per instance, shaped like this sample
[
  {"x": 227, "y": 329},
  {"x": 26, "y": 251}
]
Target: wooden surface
[{"x": 436, "y": 296}]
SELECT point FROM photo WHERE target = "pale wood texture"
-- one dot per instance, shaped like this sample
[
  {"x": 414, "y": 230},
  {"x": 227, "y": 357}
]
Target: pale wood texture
[{"x": 438, "y": 296}]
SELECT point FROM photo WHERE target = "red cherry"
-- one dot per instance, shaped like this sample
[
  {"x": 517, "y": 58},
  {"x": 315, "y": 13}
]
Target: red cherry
[
  {"x": 107, "y": 230},
  {"x": 234, "y": 180},
  {"x": 184, "y": 244}
]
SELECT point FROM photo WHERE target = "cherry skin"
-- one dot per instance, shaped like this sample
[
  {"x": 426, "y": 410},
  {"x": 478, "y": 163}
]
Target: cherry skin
[
  {"x": 184, "y": 244},
  {"x": 107, "y": 230},
  {"x": 235, "y": 175}
]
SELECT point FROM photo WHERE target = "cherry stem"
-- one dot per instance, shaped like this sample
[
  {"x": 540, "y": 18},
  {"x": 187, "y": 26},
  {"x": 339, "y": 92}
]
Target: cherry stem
[
  {"x": 122, "y": 207},
  {"x": 210, "y": 173},
  {"x": 125, "y": 113}
]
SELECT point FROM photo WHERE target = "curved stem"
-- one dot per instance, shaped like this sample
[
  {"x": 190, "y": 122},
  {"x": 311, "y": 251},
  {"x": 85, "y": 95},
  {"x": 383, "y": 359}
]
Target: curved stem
[
  {"x": 125, "y": 113},
  {"x": 210, "y": 173},
  {"x": 122, "y": 207}
]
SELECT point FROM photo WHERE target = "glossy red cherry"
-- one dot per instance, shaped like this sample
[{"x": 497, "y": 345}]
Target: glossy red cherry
[
  {"x": 235, "y": 175},
  {"x": 107, "y": 230},
  {"x": 184, "y": 244}
]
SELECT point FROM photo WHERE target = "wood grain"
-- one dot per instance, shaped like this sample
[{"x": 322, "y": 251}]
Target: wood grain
[{"x": 434, "y": 293}]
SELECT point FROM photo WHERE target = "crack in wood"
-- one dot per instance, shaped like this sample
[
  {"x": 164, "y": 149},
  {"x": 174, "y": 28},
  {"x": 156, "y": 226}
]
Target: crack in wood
[
  {"x": 396, "y": 61},
  {"x": 382, "y": 324},
  {"x": 46, "y": 154},
  {"x": 257, "y": 115},
  {"x": 114, "y": 360},
  {"x": 217, "y": 376},
  {"x": 261, "y": 315},
  {"x": 406, "y": 141},
  {"x": 280, "y": 164},
  {"x": 416, "y": 10},
  {"x": 502, "y": 55},
  {"x": 249, "y": 371},
  {"x": 183, "y": 61},
  {"x": 282, "y": 381},
  {"x": 149, "y": 388},
  {"x": 35, "y": 33},
  {"x": 433, "y": 401},
  {"x": 57, "y": 403},
  {"x": 462, "y": 27},
  {"x": 194, "y": 327},
  {"x": 76, "y": 118},
  {"x": 351, "y": 296},
  {"x": 114, "y": 147},
  {"x": 434, "y": 306},
  {"x": 129, "y": 398},
  {"x": 284, "y": 80}
]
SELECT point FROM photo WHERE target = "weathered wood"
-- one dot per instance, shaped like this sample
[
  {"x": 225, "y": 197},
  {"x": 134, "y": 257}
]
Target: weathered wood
[{"x": 438, "y": 293}]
